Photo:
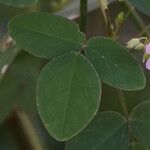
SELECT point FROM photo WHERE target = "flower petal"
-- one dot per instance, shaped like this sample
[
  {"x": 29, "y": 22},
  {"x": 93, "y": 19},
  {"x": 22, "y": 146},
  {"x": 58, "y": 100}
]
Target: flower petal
[
  {"x": 147, "y": 48},
  {"x": 148, "y": 64}
]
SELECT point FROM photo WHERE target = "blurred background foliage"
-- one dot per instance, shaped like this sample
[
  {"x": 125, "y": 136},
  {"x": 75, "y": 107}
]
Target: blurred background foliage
[{"x": 17, "y": 88}]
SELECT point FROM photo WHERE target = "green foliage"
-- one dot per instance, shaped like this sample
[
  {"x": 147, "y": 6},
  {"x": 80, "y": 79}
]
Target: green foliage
[
  {"x": 19, "y": 3},
  {"x": 142, "y": 5},
  {"x": 141, "y": 123},
  {"x": 133, "y": 98},
  {"x": 108, "y": 131},
  {"x": 137, "y": 146},
  {"x": 69, "y": 89},
  {"x": 45, "y": 35},
  {"x": 17, "y": 89},
  {"x": 114, "y": 64},
  {"x": 68, "y": 95},
  {"x": 6, "y": 58}
]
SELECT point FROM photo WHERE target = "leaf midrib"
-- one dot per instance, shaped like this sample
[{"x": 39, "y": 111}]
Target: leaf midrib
[
  {"x": 68, "y": 94},
  {"x": 50, "y": 36}
]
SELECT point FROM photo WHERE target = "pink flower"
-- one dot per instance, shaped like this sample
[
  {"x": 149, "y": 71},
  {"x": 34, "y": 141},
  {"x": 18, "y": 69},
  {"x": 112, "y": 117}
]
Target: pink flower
[
  {"x": 146, "y": 56},
  {"x": 148, "y": 64},
  {"x": 147, "y": 49}
]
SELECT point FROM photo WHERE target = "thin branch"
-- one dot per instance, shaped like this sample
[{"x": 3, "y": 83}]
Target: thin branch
[
  {"x": 125, "y": 111},
  {"x": 24, "y": 131},
  {"x": 106, "y": 14},
  {"x": 140, "y": 25},
  {"x": 145, "y": 29},
  {"x": 123, "y": 104},
  {"x": 83, "y": 15}
]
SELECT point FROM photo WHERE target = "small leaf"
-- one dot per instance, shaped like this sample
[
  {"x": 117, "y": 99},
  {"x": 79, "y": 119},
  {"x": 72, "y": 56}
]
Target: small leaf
[
  {"x": 134, "y": 98},
  {"x": 68, "y": 95},
  {"x": 6, "y": 58},
  {"x": 45, "y": 35},
  {"x": 140, "y": 121},
  {"x": 108, "y": 131},
  {"x": 142, "y": 5},
  {"x": 114, "y": 64},
  {"x": 18, "y": 3}
]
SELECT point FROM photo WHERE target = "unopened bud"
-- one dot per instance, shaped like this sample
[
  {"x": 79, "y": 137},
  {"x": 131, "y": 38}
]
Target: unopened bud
[
  {"x": 133, "y": 43},
  {"x": 140, "y": 46},
  {"x": 120, "y": 19}
]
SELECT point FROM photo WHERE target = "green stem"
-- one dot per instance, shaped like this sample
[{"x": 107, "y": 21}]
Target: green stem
[
  {"x": 120, "y": 93},
  {"x": 135, "y": 17},
  {"x": 123, "y": 104},
  {"x": 121, "y": 96},
  {"x": 106, "y": 15},
  {"x": 145, "y": 29},
  {"x": 83, "y": 15},
  {"x": 126, "y": 114}
]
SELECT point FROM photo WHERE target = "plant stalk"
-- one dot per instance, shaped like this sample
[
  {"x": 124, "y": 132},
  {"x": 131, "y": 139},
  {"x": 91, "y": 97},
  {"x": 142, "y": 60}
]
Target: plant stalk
[
  {"x": 83, "y": 15},
  {"x": 104, "y": 6},
  {"x": 22, "y": 128},
  {"x": 123, "y": 104},
  {"x": 126, "y": 114},
  {"x": 120, "y": 93},
  {"x": 135, "y": 17}
]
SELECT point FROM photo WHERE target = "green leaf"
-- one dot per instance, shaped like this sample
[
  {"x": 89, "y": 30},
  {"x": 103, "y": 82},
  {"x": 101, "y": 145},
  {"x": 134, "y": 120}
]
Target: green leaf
[
  {"x": 140, "y": 121},
  {"x": 108, "y": 131},
  {"x": 114, "y": 64},
  {"x": 6, "y": 58},
  {"x": 137, "y": 146},
  {"x": 18, "y": 3},
  {"x": 45, "y": 35},
  {"x": 17, "y": 89},
  {"x": 68, "y": 95},
  {"x": 142, "y": 5},
  {"x": 134, "y": 98}
]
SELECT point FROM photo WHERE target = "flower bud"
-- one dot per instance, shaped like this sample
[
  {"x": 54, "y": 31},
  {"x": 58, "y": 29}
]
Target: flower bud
[
  {"x": 120, "y": 19},
  {"x": 140, "y": 46},
  {"x": 133, "y": 43}
]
